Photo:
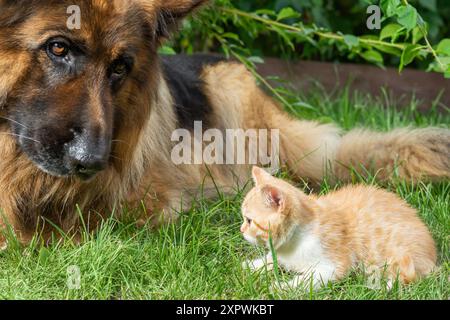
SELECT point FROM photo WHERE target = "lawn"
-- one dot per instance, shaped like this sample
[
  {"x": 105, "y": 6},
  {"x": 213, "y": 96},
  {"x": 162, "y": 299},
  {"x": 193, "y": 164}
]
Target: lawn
[{"x": 201, "y": 256}]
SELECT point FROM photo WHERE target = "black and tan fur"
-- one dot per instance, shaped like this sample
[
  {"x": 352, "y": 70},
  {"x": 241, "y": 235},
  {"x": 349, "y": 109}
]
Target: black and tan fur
[{"x": 125, "y": 123}]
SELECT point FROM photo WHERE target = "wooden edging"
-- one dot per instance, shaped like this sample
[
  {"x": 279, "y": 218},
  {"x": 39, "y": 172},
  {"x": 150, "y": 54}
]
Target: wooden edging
[{"x": 303, "y": 75}]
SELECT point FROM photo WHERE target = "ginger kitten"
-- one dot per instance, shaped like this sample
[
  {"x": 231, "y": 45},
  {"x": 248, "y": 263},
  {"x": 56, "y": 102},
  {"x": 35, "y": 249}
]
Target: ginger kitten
[{"x": 322, "y": 238}]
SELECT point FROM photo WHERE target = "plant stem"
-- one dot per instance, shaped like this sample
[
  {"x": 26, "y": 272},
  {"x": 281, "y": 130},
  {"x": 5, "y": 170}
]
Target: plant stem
[
  {"x": 326, "y": 35},
  {"x": 263, "y": 81},
  {"x": 430, "y": 48},
  {"x": 425, "y": 36},
  {"x": 255, "y": 73}
]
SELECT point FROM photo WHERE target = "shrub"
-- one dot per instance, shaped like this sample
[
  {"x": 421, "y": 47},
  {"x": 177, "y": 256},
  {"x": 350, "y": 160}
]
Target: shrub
[{"x": 413, "y": 33}]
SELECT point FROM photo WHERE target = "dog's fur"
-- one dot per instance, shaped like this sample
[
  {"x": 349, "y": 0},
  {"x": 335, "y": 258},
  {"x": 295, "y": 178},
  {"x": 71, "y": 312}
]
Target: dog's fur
[{"x": 132, "y": 120}]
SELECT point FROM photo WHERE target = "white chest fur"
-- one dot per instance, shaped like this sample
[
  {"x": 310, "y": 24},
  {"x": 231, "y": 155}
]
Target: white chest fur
[{"x": 304, "y": 253}]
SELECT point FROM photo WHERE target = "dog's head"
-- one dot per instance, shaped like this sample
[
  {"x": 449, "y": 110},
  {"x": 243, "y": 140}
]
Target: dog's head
[{"x": 68, "y": 70}]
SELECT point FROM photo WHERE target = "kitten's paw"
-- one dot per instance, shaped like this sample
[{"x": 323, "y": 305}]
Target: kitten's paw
[
  {"x": 276, "y": 288},
  {"x": 376, "y": 279},
  {"x": 280, "y": 287},
  {"x": 254, "y": 264},
  {"x": 305, "y": 283},
  {"x": 390, "y": 284}
]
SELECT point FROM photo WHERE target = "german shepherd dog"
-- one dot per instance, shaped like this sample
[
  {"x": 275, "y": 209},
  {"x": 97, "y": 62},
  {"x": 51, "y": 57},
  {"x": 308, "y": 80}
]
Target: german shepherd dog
[{"x": 87, "y": 115}]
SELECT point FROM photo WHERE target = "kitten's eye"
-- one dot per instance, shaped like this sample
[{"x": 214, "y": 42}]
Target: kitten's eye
[{"x": 248, "y": 220}]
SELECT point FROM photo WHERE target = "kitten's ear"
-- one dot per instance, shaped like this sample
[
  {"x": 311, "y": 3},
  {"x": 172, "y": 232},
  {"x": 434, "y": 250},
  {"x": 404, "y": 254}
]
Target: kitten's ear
[
  {"x": 260, "y": 176},
  {"x": 274, "y": 196},
  {"x": 168, "y": 13}
]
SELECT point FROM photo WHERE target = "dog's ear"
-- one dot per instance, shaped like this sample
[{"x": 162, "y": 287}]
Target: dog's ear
[
  {"x": 6, "y": 84},
  {"x": 12, "y": 69},
  {"x": 167, "y": 14},
  {"x": 12, "y": 62},
  {"x": 171, "y": 12}
]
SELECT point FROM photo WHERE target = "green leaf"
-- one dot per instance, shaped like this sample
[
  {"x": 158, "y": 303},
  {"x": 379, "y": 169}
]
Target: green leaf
[
  {"x": 409, "y": 54},
  {"x": 351, "y": 41},
  {"x": 287, "y": 13},
  {"x": 390, "y": 6},
  {"x": 301, "y": 104},
  {"x": 274, "y": 256},
  {"x": 440, "y": 67},
  {"x": 407, "y": 16},
  {"x": 284, "y": 36},
  {"x": 256, "y": 59},
  {"x": 166, "y": 50},
  {"x": 230, "y": 35},
  {"x": 265, "y": 12},
  {"x": 444, "y": 47},
  {"x": 429, "y": 4},
  {"x": 369, "y": 36},
  {"x": 417, "y": 35},
  {"x": 390, "y": 31},
  {"x": 372, "y": 56},
  {"x": 44, "y": 255},
  {"x": 388, "y": 49},
  {"x": 445, "y": 60}
]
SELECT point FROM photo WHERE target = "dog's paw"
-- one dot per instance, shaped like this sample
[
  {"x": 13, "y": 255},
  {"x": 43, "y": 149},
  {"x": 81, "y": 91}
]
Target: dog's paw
[{"x": 157, "y": 219}]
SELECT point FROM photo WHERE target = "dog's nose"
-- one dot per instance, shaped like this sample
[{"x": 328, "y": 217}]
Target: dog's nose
[
  {"x": 88, "y": 166},
  {"x": 88, "y": 154}
]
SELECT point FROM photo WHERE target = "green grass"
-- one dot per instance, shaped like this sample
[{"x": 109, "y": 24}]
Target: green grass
[{"x": 201, "y": 256}]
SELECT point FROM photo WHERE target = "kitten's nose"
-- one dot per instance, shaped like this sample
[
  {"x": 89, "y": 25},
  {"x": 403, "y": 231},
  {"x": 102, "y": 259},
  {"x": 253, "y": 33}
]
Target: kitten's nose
[{"x": 243, "y": 228}]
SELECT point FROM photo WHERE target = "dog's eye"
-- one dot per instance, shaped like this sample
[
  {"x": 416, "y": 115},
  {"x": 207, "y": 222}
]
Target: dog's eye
[
  {"x": 119, "y": 69},
  {"x": 58, "y": 49}
]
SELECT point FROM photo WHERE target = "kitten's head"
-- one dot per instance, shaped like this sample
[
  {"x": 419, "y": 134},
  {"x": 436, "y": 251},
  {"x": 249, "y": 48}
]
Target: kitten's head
[{"x": 273, "y": 207}]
